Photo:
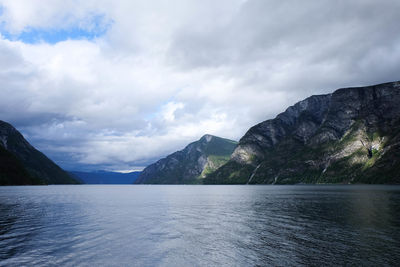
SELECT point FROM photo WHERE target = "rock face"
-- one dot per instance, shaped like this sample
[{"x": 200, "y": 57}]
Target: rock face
[
  {"x": 21, "y": 163},
  {"x": 191, "y": 164},
  {"x": 349, "y": 136}
]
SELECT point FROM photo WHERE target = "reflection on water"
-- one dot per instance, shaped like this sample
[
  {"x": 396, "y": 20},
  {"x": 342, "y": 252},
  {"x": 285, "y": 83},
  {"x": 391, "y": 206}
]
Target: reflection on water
[{"x": 199, "y": 225}]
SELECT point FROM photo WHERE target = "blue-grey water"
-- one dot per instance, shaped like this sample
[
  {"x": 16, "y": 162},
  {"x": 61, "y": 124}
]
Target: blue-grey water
[{"x": 199, "y": 225}]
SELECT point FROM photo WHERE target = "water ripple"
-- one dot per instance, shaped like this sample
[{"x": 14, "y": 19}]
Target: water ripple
[{"x": 199, "y": 225}]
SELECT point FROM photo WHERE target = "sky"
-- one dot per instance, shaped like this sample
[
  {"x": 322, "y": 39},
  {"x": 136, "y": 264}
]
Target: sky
[{"x": 116, "y": 85}]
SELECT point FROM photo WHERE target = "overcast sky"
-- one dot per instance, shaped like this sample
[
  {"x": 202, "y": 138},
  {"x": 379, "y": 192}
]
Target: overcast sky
[{"x": 118, "y": 84}]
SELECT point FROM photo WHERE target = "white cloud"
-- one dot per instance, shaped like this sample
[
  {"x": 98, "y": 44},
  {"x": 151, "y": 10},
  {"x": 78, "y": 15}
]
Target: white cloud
[
  {"x": 166, "y": 73},
  {"x": 169, "y": 109}
]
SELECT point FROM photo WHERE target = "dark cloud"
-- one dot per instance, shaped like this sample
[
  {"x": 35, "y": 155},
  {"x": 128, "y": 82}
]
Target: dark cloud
[{"x": 314, "y": 30}]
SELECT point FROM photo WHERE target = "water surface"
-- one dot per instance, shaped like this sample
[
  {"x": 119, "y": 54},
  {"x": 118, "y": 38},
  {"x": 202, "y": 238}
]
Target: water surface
[{"x": 88, "y": 225}]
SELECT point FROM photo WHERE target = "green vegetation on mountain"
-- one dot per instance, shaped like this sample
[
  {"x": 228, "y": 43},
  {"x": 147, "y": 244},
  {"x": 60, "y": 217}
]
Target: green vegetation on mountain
[
  {"x": 190, "y": 165},
  {"x": 349, "y": 136},
  {"x": 11, "y": 170}
]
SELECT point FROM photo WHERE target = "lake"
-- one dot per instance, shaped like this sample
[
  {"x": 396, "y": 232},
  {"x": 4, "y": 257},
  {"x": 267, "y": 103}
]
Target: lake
[{"x": 145, "y": 225}]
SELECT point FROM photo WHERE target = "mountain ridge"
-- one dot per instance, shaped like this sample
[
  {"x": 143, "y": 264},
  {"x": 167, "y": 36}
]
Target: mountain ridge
[
  {"x": 346, "y": 136},
  {"x": 191, "y": 164},
  {"x": 27, "y": 165}
]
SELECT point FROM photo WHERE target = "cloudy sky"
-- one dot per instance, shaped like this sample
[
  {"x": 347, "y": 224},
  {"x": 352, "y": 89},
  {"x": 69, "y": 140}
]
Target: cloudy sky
[{"x": 115, "y": 85}]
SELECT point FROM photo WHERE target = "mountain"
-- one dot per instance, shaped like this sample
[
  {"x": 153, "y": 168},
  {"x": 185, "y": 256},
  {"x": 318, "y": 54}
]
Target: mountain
[
  {"x": 12, "y": 171},
  {"x": 349, "y": 136},
  {"x": 21, "y": 163},
  {"x": 191, "y": 164},
  {"x": 105, "y": 177}
]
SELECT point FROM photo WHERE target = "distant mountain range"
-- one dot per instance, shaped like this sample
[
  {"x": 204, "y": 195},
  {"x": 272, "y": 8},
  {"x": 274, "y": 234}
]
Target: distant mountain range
[
  {"x": 21, "y": 163},
  {"x": 190, "y": 165},
  {"x": 349, "y": 136},
  {"x": 105, "y": 177}
]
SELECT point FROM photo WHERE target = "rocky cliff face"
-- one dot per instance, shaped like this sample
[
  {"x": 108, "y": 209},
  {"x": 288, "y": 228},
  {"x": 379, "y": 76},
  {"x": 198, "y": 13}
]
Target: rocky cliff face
[
  {"x": 191, "y": 164},
  {"x": 349, "y": 136},
  {"x": 26, "y": 165}
]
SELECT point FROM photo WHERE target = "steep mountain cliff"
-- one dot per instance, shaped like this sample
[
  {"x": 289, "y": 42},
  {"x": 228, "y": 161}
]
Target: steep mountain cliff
[
  {"x": 21, "y": 163},
  {"x": 349, "y": 136},
  {"x": 191, "y": 164}
]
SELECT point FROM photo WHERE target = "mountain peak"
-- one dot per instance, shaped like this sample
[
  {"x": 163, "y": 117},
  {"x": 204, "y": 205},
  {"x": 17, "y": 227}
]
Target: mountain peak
[
  {"x": 191, "y": 164},
  {"x": 207, "y": 138}
]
